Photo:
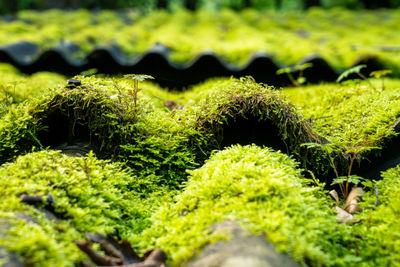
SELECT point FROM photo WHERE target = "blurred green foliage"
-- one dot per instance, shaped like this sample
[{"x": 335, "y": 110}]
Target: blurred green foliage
[
  {"x": 340, "y": 36},
  {"x": 12, "y": 6},
  {"x": 16, "y": 88}
]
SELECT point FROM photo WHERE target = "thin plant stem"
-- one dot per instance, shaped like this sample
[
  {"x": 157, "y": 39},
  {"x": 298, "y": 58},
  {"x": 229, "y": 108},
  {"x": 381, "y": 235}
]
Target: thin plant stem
[
  {"x": 335, "y": 171},
  {"x": 332, "y": 163},
  {"x": 366, "y": 79},
  {"x": 135, "y": 92},
  {"x": 353, "y": 158},
  {"x": 291, "y": 78}
]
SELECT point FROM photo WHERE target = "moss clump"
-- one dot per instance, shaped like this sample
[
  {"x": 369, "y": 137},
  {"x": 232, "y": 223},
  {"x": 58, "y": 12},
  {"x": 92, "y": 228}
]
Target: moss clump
[
  {"x": 264, "y": 191},
  {"x": 380, "y": 225},
  {"x": 246, "y": 103},
  {"x": 102, "y": 113},
  {"x": 350, "y": 115},
  {"x": 94, "y": 195},
  {"x": 245, "y": 98},
  {"x": 16, "y": 87},
  {"x": 355, "y": 118}
]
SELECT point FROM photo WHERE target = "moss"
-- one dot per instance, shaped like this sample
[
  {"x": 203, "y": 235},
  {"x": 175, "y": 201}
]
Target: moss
[
  {"x": 102, "y": 113},
  {"x": 16, "y": 88},
  {"x": 356, "y": 118},
  {"x": 380, "y": 226},
  {"x": 342, "y": 36},
  {"x": 353, "y": 115},
  {"x": 265, "y": 192},
  {"x": 148, "y": 197},
  {"x": 264, "y": 116},
  {"x": 217, "y": 113},
  {"x": 96, "y": 196}
]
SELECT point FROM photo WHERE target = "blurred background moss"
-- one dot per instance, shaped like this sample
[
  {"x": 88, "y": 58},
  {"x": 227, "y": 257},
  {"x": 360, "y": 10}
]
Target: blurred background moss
[{"x": 13, "y": 6}]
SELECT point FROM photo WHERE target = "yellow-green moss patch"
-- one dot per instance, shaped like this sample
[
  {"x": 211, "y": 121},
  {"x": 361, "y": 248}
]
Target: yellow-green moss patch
[
  {"x": 265, "y": 192},
  {"x": 94, "y": 195}
]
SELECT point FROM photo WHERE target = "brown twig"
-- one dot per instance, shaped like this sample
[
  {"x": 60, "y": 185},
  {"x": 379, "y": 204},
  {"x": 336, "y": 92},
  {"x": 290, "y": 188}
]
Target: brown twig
[
  {"x": 119, "y": 253},
  {"x": 353, "y": 158},
  {"x": 99, "y": 259}
]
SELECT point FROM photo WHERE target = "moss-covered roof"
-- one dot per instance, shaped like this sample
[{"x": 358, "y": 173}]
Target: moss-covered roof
[
  {"x": 350, "y": 115},
  {"x": 342, "y": 35},
  {"x": 146, "y": 194},
  {"x": 262, "y": 190},
  {"x": 16, "y": 88},
  {"x": 90, "y": 194}
]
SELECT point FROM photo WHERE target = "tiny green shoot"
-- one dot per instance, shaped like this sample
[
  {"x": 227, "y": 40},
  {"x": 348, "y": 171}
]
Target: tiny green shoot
[
  {"x": 136, "y": 78},
  {"x": 301, "y": 80},
  {"x": 380, "y": 74},
  {"x": 355, "y": 70}
]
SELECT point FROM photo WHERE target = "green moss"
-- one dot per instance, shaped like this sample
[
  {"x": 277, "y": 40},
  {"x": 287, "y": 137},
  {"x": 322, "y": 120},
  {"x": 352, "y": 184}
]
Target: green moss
[
  {"x": 149, "y": 134},
  {"x": 245, "y": 98},
  {"x": 265, "y": 192},
  {"x": 16, "y": 87},
  {"x": 342, "y": 36},
  {"x": 356, "y": 118},
  {"x": 145, "y": 136},
  {"x": 380, "y": 226},
  {"x": 95, "y": 195},
  {"x": 353, "y": 115},
  {"x": 139, "y": 198},
  {"x": 226, "y": 102}
]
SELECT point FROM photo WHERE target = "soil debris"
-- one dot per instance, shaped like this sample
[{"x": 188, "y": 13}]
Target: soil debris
[{"x": 118, "y": 253}]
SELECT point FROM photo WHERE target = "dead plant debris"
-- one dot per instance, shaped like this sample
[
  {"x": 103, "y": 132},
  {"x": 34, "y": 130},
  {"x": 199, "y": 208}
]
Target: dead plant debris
[
  {"x": 350, "y": 207},
  {"x": 118, "y": 253},
  {"x": 47, "y": 203}
]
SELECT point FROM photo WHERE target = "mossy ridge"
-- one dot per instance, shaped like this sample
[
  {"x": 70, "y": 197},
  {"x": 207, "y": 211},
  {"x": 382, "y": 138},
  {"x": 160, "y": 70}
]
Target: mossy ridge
[
  {"x": 336, "y": 113},
  {"x": 380, "y": 224},
  {"x": 16, "y": 87},
  {"x": 244, "y": 99},
  {"x": 98, "y": 196},
  {"x": 146, "y": 137},
  {"x": 264, "y": 191},
  {"x": 353, "y": 117}
]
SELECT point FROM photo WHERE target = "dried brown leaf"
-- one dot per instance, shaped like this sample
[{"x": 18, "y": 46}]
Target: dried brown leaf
[
  {"x": 96, "y": 257},
  {"x": 119, "y": 253},
  {"x": 335, "y": 196},
  {"x": 112, "y": 247},
  {"x": 351, "y": 205},
  {"x": 343, "y": 216},
  {"x": 110, "y": 250},
  {"x": 157, "y": 257}
]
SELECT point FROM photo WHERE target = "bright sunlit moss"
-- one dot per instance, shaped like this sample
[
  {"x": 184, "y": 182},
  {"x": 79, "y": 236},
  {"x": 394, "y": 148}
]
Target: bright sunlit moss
[
  {"x": 95, "y": 196},
  {"x": 351, "y": 115},
  {"x": 262, "y": 190},
  {"x": 16, "y": 87},
  {"x": 149, "y": 198}
]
